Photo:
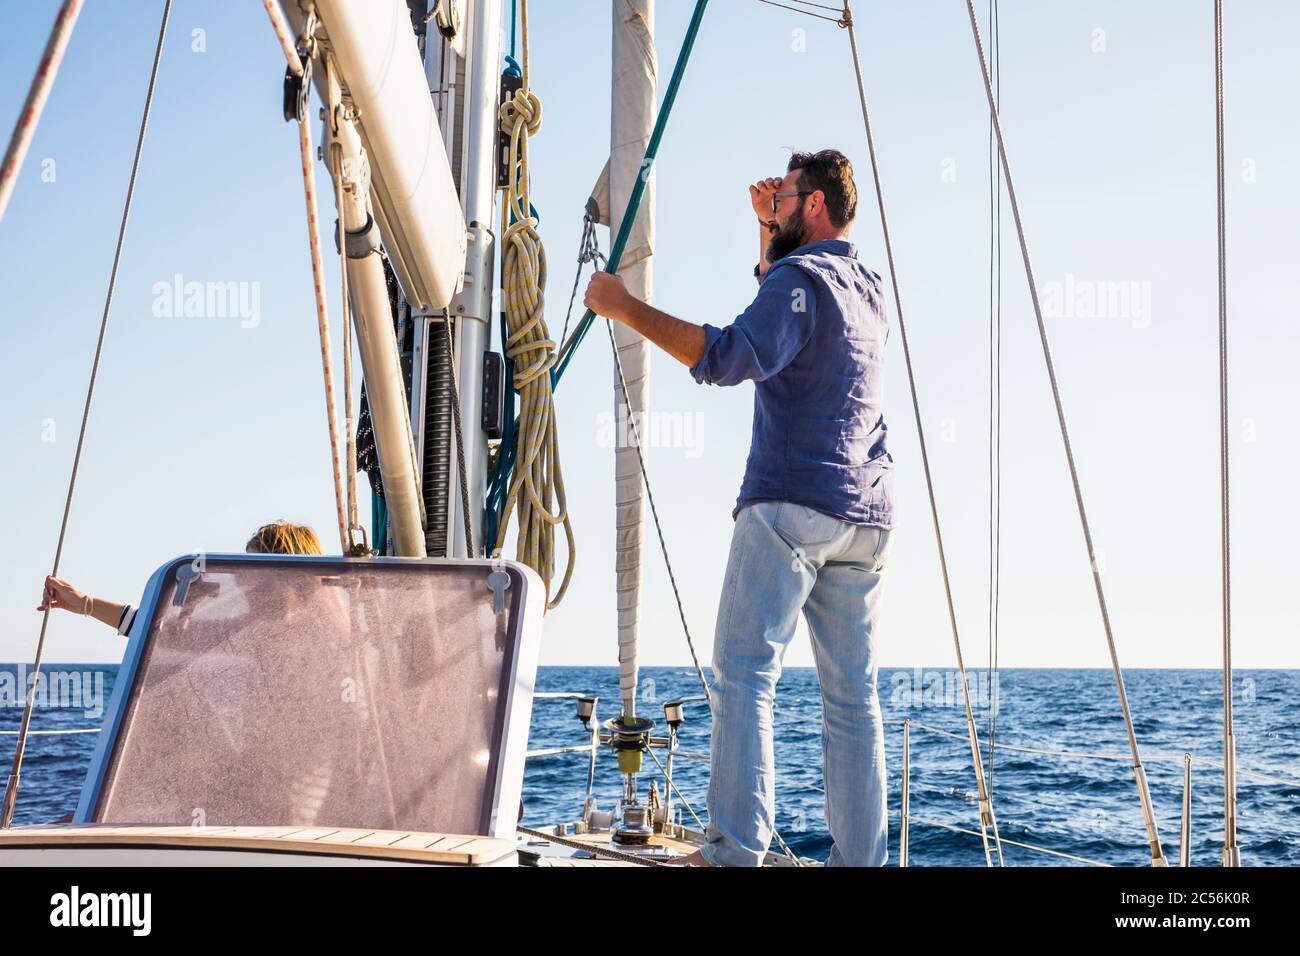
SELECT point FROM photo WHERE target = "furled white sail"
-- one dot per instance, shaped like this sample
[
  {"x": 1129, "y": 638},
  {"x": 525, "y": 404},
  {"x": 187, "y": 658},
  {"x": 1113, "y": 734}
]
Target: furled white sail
[{"x": 631, "y": 121}]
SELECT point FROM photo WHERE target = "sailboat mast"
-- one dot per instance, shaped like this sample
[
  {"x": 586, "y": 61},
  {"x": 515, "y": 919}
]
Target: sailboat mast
[
  {"x": 462, "y": 64},
  {"x": 472, "y": 309}
]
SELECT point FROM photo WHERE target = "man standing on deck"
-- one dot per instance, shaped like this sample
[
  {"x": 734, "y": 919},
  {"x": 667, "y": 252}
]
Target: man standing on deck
[{"x": 812, "y": 523}]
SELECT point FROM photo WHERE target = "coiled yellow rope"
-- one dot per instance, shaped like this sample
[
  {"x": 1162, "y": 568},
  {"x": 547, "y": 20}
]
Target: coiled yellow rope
[{"x": 537, "y": 483}]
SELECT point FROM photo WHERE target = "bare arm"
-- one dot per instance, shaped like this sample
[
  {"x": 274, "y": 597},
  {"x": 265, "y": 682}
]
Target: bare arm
[
  {"x": 59, "y": 593},
  {"x": 684, "y": 341},
  {"x": 107, "y": 612}
]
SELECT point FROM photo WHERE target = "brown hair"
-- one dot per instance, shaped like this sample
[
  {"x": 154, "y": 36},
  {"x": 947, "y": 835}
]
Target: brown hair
[
  {"x": 281, "y": 537},
  {"x": 830, "y": 171}
]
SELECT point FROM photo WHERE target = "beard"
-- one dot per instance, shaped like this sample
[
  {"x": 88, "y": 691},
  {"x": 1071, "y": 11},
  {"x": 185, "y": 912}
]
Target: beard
[{"x": 789, "y": 237}]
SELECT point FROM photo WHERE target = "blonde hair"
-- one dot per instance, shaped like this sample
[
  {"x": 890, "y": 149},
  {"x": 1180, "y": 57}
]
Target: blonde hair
[{"x": 282, "y": 537}]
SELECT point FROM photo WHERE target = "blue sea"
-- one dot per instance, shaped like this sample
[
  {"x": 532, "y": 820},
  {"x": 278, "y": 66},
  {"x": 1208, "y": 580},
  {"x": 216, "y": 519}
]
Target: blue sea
[{"x": 1085, "y": 807}]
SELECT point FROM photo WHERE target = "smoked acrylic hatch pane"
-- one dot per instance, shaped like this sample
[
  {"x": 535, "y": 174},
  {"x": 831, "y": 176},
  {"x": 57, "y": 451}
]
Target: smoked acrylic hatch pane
[{"x": 315, "y": 694}]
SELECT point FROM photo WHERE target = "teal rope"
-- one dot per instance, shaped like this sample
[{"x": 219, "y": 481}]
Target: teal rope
[
  {"x": 378, "y": 523},
  {"x": 638, "y": 190}
]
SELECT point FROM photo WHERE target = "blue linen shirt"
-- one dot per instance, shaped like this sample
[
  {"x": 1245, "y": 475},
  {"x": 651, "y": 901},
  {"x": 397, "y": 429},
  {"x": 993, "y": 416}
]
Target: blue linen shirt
[{"x": 813, "y": 342}]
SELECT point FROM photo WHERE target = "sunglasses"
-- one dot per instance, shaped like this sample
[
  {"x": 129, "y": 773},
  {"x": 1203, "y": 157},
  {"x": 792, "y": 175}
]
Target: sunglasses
[{"x": 776, "y": 197}]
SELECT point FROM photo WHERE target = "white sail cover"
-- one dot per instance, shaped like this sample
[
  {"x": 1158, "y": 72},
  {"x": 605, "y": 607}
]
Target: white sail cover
[
  {"x": 631, "y": 122},
  {"x": 415, "y": 197}
]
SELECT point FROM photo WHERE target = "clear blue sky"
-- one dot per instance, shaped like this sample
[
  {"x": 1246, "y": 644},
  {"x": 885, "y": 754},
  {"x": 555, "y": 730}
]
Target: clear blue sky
[{"x": 203, "y": 429}]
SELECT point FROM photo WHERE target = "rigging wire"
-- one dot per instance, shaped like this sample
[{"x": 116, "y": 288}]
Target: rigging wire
[
  {"x": 995, "y": 391},
  {"x": 15, "y": 772},
  {"x": 818, "y": 6},
  {"x": 1231, "y": 852},
  {"x": 349, "y": 426},
  {"x": 1144, "y": 794},
  {"x": 988, "y": 821},
  {"x": 460, "y": 440},
  {"x": 807, "y": 13},
  {"x": 588, "y": 251},
  {"x": 351, "y": 546}
]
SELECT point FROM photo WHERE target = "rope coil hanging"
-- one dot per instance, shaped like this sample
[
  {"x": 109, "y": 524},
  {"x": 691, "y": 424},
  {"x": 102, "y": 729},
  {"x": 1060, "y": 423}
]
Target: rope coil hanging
[{"x": 537, "y": 482}]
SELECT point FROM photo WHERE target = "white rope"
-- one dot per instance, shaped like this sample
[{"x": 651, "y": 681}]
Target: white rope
[
  {"x": 284, "y": 36},
  {"x": 307, "y": 159},
  {"x": 42, "y": 83},
  {"x": 322, "y": 327}
]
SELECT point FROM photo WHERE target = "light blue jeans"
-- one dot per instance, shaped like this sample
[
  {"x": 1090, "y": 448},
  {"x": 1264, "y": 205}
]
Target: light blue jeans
[{"x": 786, "y": 558}]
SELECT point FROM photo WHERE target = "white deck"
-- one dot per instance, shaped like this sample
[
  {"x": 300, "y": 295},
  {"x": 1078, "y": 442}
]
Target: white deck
[{"x": 267, "y": 846}]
